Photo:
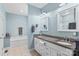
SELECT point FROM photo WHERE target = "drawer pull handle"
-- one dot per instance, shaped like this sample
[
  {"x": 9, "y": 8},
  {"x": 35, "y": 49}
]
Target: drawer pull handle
[{"x": 42, "y": 42}]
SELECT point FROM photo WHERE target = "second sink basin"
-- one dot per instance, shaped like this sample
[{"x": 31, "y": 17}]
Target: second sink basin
[{"x": 63, "y": 43}]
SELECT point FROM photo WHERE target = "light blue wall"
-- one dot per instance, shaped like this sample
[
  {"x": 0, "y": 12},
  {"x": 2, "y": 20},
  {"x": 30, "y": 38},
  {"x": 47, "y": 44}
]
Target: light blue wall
[
  {"x": 15, "y": 21},
  {"x": 32, "y": 20}
]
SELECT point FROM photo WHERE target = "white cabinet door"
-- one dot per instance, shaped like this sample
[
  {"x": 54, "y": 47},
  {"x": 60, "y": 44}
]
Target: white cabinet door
[
  {"x": 53, "y": 52},
  {"x": 69, "y": 52},
  {"x": 41, "y": 47},
  {"x": 46, "y": 49},
  {"x": 37, "y": 45},
  {"x": 1, "y": 46},
  {"x": 52, "y": 49}
]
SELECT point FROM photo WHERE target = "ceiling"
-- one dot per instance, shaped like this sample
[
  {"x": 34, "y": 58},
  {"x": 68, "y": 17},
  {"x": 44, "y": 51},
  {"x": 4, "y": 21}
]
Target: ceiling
[
  {"x": 38, "y": 5},
  {"x": 21, "y": 8},
  {"x": 16, "y": 8},
  {"x": 51, "y": 7}
]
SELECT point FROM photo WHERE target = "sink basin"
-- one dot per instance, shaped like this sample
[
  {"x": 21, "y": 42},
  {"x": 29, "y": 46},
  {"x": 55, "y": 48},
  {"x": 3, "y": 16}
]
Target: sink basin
[
  {"x": 64, "y": 43},
  {"x": 40, "y": 36}
]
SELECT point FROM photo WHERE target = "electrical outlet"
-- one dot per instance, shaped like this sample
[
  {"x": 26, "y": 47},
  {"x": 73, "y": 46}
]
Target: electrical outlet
[{"x": 74, "y": 33}]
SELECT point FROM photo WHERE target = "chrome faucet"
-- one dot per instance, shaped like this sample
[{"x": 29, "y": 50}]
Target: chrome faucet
[
  {"x": 40, "y": 32},
  {"x": 66, "y": 39}
]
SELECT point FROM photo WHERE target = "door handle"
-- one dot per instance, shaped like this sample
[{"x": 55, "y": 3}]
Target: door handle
[{"x": 44, "y": 43}]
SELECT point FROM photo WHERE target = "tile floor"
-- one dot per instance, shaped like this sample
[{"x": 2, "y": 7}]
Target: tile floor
[{"x": 19, "y": 48}]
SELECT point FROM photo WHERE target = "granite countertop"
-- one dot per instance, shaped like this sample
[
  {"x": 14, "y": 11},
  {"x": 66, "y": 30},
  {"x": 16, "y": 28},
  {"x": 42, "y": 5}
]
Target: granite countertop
[{"x": 54, "y": 40}]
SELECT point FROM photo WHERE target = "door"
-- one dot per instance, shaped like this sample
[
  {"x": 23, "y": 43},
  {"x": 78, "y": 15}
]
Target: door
[
  {"x": 1, "y": 26},
  {"x": 1, "y": 34}
]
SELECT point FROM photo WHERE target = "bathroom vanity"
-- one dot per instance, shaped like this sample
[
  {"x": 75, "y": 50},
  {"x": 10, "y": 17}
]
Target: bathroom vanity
[{"x": 53, "y": 46}]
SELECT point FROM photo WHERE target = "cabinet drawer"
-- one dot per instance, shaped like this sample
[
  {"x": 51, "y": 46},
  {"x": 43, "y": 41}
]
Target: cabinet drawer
[{"x": 69, "y": 52}]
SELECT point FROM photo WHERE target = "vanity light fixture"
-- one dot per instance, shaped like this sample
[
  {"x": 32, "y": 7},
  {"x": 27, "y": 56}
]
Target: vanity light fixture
[{"x": 44, "y": 14}]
